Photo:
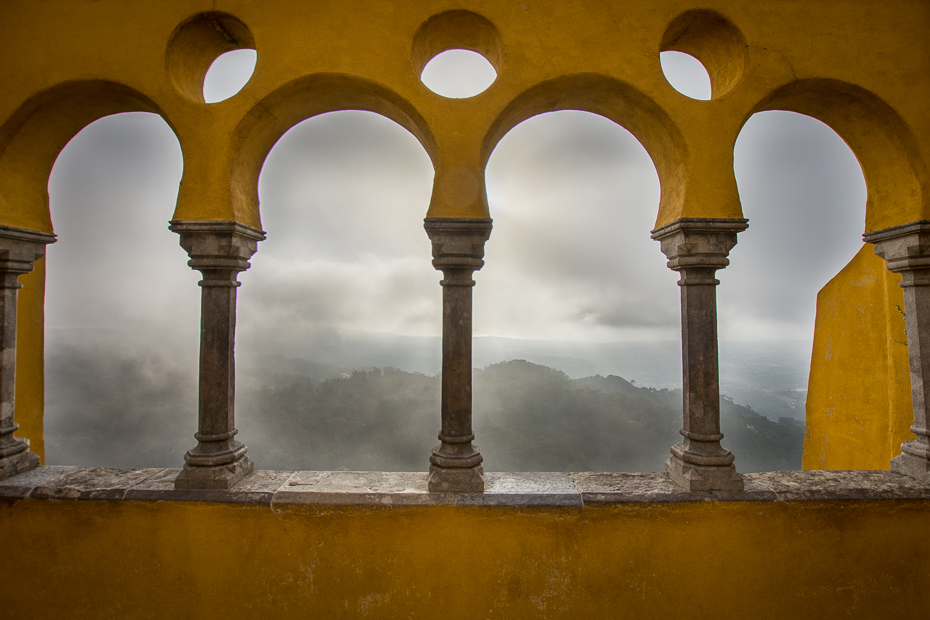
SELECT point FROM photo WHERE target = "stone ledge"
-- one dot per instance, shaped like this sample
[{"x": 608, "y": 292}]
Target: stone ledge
[{"x": 385, "y": 489}]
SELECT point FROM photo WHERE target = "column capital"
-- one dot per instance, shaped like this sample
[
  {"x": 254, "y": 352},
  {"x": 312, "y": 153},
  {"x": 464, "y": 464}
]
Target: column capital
[
  {"x": 906, "y": 250},
  {"x": 458, "y": 243},
  {"x": 20, "y": 248},
  {"x": 699, "y": 243},
  {"x": 218, "y": 245}
]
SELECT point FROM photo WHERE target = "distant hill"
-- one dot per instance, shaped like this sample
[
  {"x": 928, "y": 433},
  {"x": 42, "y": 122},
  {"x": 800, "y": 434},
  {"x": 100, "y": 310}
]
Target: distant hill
[
  {"x": 770, "y": 376},
  {"x": 527, "y": 417},
  {"x": 759, "y": 443},
  {"x": 135, "y": 408}
]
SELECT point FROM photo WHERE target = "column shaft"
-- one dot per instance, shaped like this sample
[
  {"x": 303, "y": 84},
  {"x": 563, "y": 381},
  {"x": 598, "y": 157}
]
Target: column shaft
[
  {"x": 219, "y": 250},
  {"x": 217, "y": 354},
  {"x": 696, "y": 249},
  {"x": 456, "y": 355},
  {"x": 19, "y": 249},
  {"x": 700, "y": 383},
  {"x": 458, "y": 249}
]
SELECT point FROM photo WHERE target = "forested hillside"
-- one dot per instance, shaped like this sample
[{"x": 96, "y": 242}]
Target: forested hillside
[
  {"x": 298, "y": 414},
  {"x": 527, "y": 417}
]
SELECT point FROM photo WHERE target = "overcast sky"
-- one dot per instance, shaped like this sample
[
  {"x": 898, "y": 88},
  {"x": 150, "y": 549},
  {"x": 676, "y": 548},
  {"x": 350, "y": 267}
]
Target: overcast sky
[{"x": 343, "y": 196}]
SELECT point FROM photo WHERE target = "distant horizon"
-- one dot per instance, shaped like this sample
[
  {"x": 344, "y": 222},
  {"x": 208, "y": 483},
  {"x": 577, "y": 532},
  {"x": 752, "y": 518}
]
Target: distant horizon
[{"x": 129, "y": 328}]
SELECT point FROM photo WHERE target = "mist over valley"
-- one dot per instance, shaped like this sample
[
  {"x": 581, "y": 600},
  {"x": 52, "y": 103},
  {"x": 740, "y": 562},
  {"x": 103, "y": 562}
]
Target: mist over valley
[{"x": 123, "y": 399}]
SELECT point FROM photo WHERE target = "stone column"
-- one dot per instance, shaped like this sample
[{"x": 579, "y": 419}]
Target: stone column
[
  {"x": 906, "y": 250},
  {"x": 19, "y": 249},
  {"x": 458, "y": 249},
  {"x": 219, "y": 250},
  {"x": 696, "y": 248}
]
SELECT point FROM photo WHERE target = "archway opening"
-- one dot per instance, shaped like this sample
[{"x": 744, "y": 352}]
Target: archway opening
[
  {"x": 339, "y": 316},
  {"x": 804, "y": 193},
  {"x": 122, "y": 307},
  {"x": 576, "y": 314}
]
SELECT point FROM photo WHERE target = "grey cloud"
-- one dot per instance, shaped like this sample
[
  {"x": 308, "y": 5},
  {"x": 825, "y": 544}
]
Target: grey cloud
[
  {"x": 112, "y": 193},
  {"x": 803, "y": 192},
  {"x": 374, "y": 294},
  {"x": 344, "y": 184}
]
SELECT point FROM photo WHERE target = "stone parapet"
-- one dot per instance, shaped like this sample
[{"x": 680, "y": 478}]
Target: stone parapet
[{"x": 519, "y": 489}]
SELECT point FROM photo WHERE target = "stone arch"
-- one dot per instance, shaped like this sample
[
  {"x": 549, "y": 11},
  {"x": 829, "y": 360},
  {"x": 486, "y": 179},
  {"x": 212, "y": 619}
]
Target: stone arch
[
  {"x": 32, "y": 138},
  {"x": 894, "y": 169},
  {"x": 619, "y": 102},
  {"x": 297, "y": 101}
]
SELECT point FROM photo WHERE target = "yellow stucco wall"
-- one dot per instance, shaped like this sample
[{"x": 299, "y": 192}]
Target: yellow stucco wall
[
  {"x": 94, "y": 559},
  {"x": 859, "y": 395}
]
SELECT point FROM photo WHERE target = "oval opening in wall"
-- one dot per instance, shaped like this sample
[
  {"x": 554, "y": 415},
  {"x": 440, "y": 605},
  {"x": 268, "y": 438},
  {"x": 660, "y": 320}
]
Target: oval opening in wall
[
  {"x": 686, "y": 74},
  {"x": 229, "y": 74},
  {"x": 458, "y": 74}
]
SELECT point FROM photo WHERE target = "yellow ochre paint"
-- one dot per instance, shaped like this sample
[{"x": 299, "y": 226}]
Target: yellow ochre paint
[
  {"x": 766, "y": 560},
  {"x": 859, "y": 394}
]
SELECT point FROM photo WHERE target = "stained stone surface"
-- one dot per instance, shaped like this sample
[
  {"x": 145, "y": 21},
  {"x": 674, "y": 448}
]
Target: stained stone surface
[
  {"x": 842, "y": 485},
  {"x": 92, "y": 483},
  {"x": 386, "y": 489},
  {"x": 23, "y": 484},
  {"x": 525, "y": 489},
  {"x": 257, "y": 488},
  {"x": 357, "y": 488}
]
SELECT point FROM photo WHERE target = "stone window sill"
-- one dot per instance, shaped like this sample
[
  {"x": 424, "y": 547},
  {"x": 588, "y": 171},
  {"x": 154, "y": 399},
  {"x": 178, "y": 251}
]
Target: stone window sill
[{"x": 374, "y": 488}]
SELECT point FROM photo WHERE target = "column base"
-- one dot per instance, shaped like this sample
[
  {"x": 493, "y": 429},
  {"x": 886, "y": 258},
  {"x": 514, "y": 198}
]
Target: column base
[
  {"x": 703, "y": 477},
  {"x": 222, "y": 477},
  {"x": 18, "y": 463},
  {"x": 910, "y": 465},
  {"x": 456, "y": 480}
]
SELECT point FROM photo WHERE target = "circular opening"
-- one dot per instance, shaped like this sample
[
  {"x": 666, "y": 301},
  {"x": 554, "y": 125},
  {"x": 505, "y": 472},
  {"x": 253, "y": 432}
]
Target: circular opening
[
  {"x": 458, "y": 74},
  {"x": 686, "y": 74},
  {"x": 715, "y": 49},
  {"x": 228, "y": 75},
  {"x": 196, "y": 47},
  {"x": 457, "y": 54}
]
